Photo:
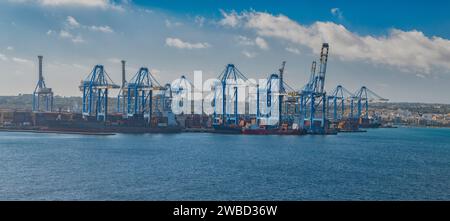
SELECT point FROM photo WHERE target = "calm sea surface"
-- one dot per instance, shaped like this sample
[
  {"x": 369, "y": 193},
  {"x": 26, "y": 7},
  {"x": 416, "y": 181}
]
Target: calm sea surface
[{"x": 382, "y": 164}]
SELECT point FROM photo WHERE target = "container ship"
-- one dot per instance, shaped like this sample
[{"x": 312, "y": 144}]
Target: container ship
[{"x": 76, "y": 123}]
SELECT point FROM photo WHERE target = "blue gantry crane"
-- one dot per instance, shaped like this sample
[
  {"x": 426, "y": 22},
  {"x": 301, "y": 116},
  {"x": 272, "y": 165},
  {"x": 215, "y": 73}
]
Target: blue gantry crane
[
  {"x": 272, "y": 97},
  {"x": 139, "y": 92},
  {"x": 275, "y": 86},
  {"x": 313, "y": 97},
  {"x": 183, "y": 88},
  {"x": 95, "y": 90},
  {"x": 229, "y": 83},
  {"x": 42, "y": 95},
  {"x": 362, "y": 97},
  {"x": 338, "y": 99}
]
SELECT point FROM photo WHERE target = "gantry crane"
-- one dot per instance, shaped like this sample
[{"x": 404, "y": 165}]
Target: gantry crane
[
  {"x": 95, "y": 93},
  {"x": 183, "y": 89},
  {"x": 275, "y": 86},
  {"x": 338, "y": 99},
  {"x": 272, "y": 99},
  {"x": 229, "y": 83},
  {"x": 139, "y": 92},
  {"x": 42, "y": 94},
  {"x": 313, "y": 96},
  {"x": 362, "y": 97}
]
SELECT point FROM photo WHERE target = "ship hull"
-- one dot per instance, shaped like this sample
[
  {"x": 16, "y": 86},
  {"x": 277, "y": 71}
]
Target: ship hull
[
  {"x": 272, "y": 132},
  {"x": 101, "y": 127},
  {"x": 227, "y": 130}
]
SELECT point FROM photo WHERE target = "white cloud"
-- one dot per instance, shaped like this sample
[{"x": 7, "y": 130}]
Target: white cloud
[
  {"x": 148, "y": 11},
  {"x": 407, "y": 50},
  {"x": 170, "y": 24},
  {"x": 83, "y": 3},
  {"x": 18, "y": 1},
  {"x": 87, "y": 3},
  {"x": 67, "y": 35},
  {"x": 249, "y": 54},
  {"x": 103, "y": 4},
  {"x": 293, "y": 50},
  {"x": 72, "y": 22},
  {"x": 260, "y": 42},
  {"x": 21, "y": 60},
  {"x": 72, "y": 25},
  {"x": 244, "y": 40},
  {"x": 230, "y": 19},
  {"x": 78, "y": 39},
  {"x": 3, "y": 57},
  {"x": 420, "y": 76},
  {"x": 337, "y": 12},
  {"x": 104, "y": 29},
  {"x": 199, "y": 20},
  {"x": 10, "y": 48},
  {"x": 178, "y": 43}
]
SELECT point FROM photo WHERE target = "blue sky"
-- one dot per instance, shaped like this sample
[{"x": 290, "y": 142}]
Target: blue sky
[
  {"x": 362, "y": 16},
  {"x": 399, "y": 49}
]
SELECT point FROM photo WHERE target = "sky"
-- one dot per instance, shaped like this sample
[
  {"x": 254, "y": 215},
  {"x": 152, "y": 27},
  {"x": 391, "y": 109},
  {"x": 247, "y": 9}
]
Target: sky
[{"x": 399, "y": 49}]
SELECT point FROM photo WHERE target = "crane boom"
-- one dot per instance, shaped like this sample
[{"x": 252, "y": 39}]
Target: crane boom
[
  {"x": 323, "y": 67},
  {"x": 281, "y": 70}
]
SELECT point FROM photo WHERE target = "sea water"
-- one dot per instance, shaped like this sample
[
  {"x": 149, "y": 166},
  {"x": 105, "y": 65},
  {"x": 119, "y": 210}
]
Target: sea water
[{"x": 381, "y": 164}]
